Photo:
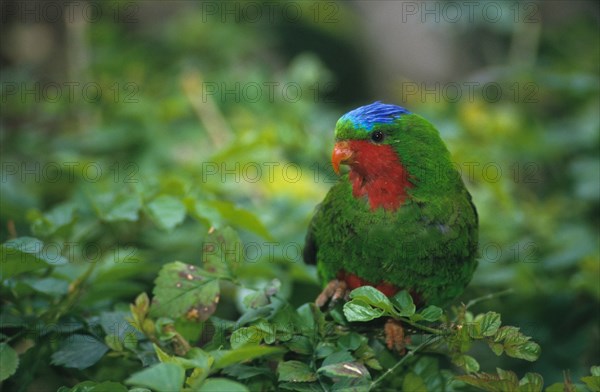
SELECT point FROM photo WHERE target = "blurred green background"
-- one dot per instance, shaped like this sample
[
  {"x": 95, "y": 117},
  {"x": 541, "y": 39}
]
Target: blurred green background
[{"x": 129, "y": 128}]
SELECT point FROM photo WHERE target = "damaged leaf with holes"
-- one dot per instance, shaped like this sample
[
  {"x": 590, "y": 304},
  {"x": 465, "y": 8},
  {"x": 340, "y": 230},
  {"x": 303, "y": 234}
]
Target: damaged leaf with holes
[{"x": 184, "y": 290}]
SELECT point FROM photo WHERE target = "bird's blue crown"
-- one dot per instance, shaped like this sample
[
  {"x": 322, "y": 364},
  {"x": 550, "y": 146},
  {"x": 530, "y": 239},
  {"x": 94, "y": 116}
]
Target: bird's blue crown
[{"x": 375, "y": 113}]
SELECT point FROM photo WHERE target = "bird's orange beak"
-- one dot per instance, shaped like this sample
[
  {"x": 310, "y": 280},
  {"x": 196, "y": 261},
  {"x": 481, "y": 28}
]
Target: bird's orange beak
[{"x": 341, "y": 154}]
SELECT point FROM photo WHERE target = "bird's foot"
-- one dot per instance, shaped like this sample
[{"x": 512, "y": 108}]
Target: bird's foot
[
  {"x": 394, "y": 336},
  {"x": 334, "y": 290}
]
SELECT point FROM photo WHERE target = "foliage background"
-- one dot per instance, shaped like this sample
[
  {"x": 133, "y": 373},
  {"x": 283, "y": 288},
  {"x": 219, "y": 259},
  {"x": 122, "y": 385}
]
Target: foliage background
[{"x": 122, "y": 183}]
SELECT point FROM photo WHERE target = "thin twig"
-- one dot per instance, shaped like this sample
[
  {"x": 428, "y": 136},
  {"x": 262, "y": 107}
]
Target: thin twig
[
  {"x": 402, "y": 361},
  {"x": 488, "y": 296}
]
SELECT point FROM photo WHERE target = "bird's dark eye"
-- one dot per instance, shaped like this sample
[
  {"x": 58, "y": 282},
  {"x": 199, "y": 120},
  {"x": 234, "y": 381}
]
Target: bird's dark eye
[{"x": 377, "y": 136}]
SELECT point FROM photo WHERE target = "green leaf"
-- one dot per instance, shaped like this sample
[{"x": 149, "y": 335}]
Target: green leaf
[
  {"x": 79, "y": 351},
  {"x": 194, "y": 358},
  {"x": 592, "y": 382},
  {"x": 372, "y": 296},
  {"x": 431, "y": 313},
  {"x": 244, "y": 372},
  {"x": 595, "y": 370},
  {"x": 531, "y": 382},
  {"x": 300, "y": 344},
  {"x": 246, "y": 336},
  {"x": 166, "y": 211},
  {"x": 106, "y": 386},
  {"x": 412, "y": 382},
  {"x": 515, "y": 344},
  {"x": 222, "y": 385},
  {"x": 504, "y": 381},
  {"x": 185, "y": 290},
  {"x": 351, "y": 341},
  {"x": 484, "y": 325},
  {"x": 224, "y": 358},
  {"x": 295, "y": 371},
  {"x": 338, "y": 357},
  {"x": 358, "y": 310},
  {"x": 9, "y": 361},
  {"x": 301, "y": 386},
  {"x": 123, "y": 206},
  {"x": 235, "y": 216},
  {"x": 466, "y": 362},
  {"x": 222, "y": 252},
  {"x": 59, "y": 217},
  {"x": 404, "y": 302},
  {"x": 26, "y": 254},
  {"x": 345, "y": 370},
  {"x": 490, "y": 322},
  {"x": 159, "y": 377}
]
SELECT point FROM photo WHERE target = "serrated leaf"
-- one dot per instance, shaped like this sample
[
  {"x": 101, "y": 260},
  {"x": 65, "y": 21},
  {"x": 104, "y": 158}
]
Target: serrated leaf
[
  {"x": 490, "y": 382},
  {"x": 350, "y": 341},
  {"x": 79, "y": 351},
  {"x": 404, "y": 302},
  {"x": 324, "y": 349},
  {"x": 111, "y": 207},
  {"x": 301, "y": 387},
  {"x": 592, "y": 382},
  {"x": 531, "y": 382},
  {"x": 358, "y": 310},
  {"x": 295, "y": 371},
  {"x": 504, "y": 381},
  {"x": 222, "y": 252},
  {"x": 246, "y": 336},
  {"x": 529, "y": 351},
  {"x": 497, "y": 348},
  {"x": 412, "y": 382},
  {"x": 25, "y": 254},
  {"x": 489, "y": 323},
  {"x": 9, "y": 361},
  {"x": 235, "y": 216},
  {"x": 345, "y": 370},
  {"x": 515, "y": 344},
  {"x": 59, "y": 217},
  {"x": 431, "y": 313},
  {"x": 159, "y": 377},
  {"x": 466, "y": 362},
  {"x": 184, "y": 290},
  {"x": 224, "y": 358},
  {"x": 222, "y": 384},
  {"x": 338, "y": 357},
  {"x": 373, "y": 297},
  {"x": 92, "y": 386},
  {"x": 300, "y": 344},
  {"x": 166, "y": 211},
  {"x": 243, "y": 372}
]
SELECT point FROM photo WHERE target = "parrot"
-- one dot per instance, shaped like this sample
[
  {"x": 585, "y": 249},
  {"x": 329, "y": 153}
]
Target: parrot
[{"x": 400, "y": 219}]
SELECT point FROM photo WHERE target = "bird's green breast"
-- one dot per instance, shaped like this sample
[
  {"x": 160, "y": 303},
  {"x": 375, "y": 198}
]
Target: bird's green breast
[{"x": 427, "y": 246}]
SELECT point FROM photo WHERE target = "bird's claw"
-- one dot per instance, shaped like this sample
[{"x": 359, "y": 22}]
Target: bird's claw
[
  {"x": 334, "y": 291},
  {"x": 394, "y": 336}
]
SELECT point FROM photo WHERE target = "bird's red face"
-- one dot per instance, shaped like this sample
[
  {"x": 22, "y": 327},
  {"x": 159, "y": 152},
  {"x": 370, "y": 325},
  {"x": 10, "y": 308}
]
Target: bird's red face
[{"x": 375, "y": 172}]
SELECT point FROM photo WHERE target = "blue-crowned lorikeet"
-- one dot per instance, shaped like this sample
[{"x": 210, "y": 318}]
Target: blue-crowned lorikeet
[{"x": 401, "y": 219}]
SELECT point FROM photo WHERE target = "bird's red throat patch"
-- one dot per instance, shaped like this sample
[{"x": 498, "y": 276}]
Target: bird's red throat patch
[{"x": 377, "y": 173}]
